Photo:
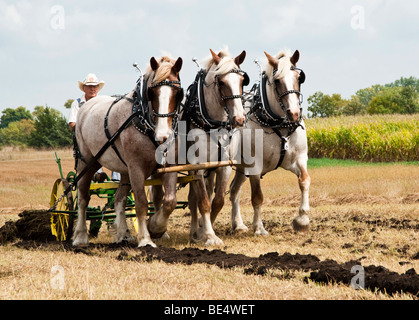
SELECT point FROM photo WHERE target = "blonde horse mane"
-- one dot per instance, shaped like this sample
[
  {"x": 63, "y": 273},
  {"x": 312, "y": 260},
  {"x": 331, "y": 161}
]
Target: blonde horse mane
[
  {"x": 165, "y": 67},
  {"x": 226, "y": 64},
  {"x": 284, "y": 65}
]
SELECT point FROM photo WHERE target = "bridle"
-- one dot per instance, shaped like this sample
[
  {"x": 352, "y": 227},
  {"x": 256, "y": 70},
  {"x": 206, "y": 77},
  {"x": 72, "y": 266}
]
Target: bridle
[
  {"x": 179, "y": 96},
  {"x": 232, "y": 97},
  {"x": 279, "y": 96}
]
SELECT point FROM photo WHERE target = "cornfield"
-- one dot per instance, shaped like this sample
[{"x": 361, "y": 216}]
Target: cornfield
[{"x": 380, "y": 138}]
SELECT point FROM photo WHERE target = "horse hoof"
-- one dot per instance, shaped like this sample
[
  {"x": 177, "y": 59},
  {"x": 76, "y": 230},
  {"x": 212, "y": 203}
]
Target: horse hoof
[
  {"x": 80, "y": 243},
  {"x": 241, "y": 229},
  {"x": 81, "y": 240},
  {"x": 145, "y": 242},
  {"x": 165, "y": 236},
  {"x": 159, "y": 235},
  {"x": 214, "y": 241},
  {"x": 261, "y": 232},
  {"x": 301, "y": 223}
]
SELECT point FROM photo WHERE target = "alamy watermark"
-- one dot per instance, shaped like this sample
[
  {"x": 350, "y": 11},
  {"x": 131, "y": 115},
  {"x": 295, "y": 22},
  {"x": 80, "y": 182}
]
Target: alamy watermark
[
  {"x": 57, "y": 280},
  {"x": 57, "y": 18},
  {"x": 358, "y": 281},
  {"x": 245, "y": 146},
  {"x": 358, "y": 18}
]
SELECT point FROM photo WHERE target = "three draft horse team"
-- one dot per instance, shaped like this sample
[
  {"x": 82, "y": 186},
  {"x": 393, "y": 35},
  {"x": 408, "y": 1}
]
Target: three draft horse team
[{"x": 137, "y": 133}]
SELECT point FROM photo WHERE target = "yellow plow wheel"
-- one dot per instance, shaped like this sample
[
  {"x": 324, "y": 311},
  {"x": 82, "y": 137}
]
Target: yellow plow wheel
[{"x": 61, "y": 222}]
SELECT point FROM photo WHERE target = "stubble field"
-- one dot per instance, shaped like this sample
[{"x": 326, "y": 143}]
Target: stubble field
[{"x": 365, "y": 215}]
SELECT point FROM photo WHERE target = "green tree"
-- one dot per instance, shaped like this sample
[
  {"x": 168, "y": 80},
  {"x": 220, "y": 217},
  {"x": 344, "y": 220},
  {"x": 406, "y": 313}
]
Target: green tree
[
  {"x": 395, "y": 100},
  {"x": 409, "y": 99},
  {"x": 68, "y": 103},
  {"x": 10, "y": 115},
  {"x": 324, "y": 105},
  {"x": 405, "y": 82},
  {"x": 366, "y": 95},
  {"x": 354, "y": 107},
  {"x": 17, "y": 133},
  {"x": 51, "y": 129}
]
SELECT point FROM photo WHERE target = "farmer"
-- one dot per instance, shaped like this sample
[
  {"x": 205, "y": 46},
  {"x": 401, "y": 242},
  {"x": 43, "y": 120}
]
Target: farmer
[{"x": 90, "y": 86}]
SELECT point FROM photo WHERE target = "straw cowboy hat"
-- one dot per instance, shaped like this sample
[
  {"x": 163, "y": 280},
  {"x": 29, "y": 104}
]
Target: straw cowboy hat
[{"x": 91, "y": 80}]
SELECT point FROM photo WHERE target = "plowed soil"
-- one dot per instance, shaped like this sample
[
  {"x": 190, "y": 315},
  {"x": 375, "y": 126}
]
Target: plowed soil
[{"x": 376, "y": 277}]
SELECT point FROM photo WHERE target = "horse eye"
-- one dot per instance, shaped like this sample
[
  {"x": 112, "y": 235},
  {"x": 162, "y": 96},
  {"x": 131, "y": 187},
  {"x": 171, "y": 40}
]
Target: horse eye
[{"x": 221, "y": 83}]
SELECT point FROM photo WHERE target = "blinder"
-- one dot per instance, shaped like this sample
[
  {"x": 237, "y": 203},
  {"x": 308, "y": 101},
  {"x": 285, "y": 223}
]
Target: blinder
[
  {"x": 246, "y": 79},
  {"x": 302, "y": 77}
]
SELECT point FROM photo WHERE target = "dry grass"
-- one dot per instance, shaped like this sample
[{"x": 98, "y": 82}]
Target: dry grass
[{"x": 366, "y": 213}]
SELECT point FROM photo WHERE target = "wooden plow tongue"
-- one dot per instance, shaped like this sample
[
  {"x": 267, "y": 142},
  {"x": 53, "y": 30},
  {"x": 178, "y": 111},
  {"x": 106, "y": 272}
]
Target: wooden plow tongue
[{"x": 197, "y": 166}]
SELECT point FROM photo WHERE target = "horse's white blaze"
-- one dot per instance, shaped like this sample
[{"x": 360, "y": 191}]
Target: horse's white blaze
[
  {"x": 233, "y": 80},
  {"x": 162, "y": 127},
  {"x": 293, "y": 98}
]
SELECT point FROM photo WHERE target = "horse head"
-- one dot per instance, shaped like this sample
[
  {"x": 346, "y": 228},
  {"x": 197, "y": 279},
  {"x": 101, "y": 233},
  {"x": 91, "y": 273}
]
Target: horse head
[
  {"x": 223, "y": 71},
  {"x": 286, "y": 79},
  {"x": 164, "y": 92}
]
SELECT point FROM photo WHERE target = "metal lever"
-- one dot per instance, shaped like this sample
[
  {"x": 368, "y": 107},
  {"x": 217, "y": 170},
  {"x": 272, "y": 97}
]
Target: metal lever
[
  {"x": 140, "y": 79},
  {"x": 259, "y": 65},
  {"x": 135, "y": 65},
  {"x": 196, "y": 62}
]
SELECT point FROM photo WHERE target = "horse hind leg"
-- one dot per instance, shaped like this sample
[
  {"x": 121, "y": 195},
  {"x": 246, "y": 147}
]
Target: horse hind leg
[
  {"x": 257, "y": 201},
  {"x": 120, "y": 224},
  {"x": 204, "y": 233},
  {"x": 302, "y": 221}
]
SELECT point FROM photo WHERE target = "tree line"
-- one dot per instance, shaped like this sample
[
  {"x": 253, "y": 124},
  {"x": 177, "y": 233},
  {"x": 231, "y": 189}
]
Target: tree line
[
  {"x": 400, "y": 96},
  {"x": 43, "y": 128},
  {"x": 47, "y": 127}
]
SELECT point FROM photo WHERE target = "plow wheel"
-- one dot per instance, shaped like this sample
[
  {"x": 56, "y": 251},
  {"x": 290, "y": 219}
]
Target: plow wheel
[{"x": 61, "y": 218}]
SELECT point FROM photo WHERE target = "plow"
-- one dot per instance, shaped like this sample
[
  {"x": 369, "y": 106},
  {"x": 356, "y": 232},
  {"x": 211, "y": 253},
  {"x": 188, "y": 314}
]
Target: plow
[{"x": 64, "y": 198}]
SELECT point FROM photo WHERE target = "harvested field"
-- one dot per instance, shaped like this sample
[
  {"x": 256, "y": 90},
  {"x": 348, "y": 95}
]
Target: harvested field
[{"x": 361, "y": 216}]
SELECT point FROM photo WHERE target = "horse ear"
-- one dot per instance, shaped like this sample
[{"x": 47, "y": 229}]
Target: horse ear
[
  {"x": 215, "y": 57},
  {"x": 272, "y": 61},
  {"x": 240, "y": 58},
  {"x": 295, "y": 57},
  {"x": 177, "y": 66},
  {"x": 154, "y": 64}
]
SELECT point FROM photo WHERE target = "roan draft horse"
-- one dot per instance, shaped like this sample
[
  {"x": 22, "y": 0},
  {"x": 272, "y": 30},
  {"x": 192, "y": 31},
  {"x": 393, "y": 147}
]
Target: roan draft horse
[
  {"x": 277, "y": 111},
  {"x": 156, "y": 99},
  {"x": 214, "y": 105}
]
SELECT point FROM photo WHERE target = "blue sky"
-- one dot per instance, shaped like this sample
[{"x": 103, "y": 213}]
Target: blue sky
[{"x": 46, "y": 46}]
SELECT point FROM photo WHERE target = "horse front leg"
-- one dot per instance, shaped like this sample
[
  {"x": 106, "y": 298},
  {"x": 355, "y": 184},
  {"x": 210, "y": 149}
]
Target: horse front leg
[
  {"x": 235, "y": 191},
  {"x": 157, "y": 224},
  {"x": 141, "y": 209},
  {"x": 257, "y": 201},
  {"x": 204, "y": 233},
  {"x": 302, "y": 221},
  {"x": 120, "y": 224}
]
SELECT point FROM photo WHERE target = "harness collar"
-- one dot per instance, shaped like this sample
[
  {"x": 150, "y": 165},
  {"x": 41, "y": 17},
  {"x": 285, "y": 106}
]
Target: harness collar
[{"x": 196, "y": 109}]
